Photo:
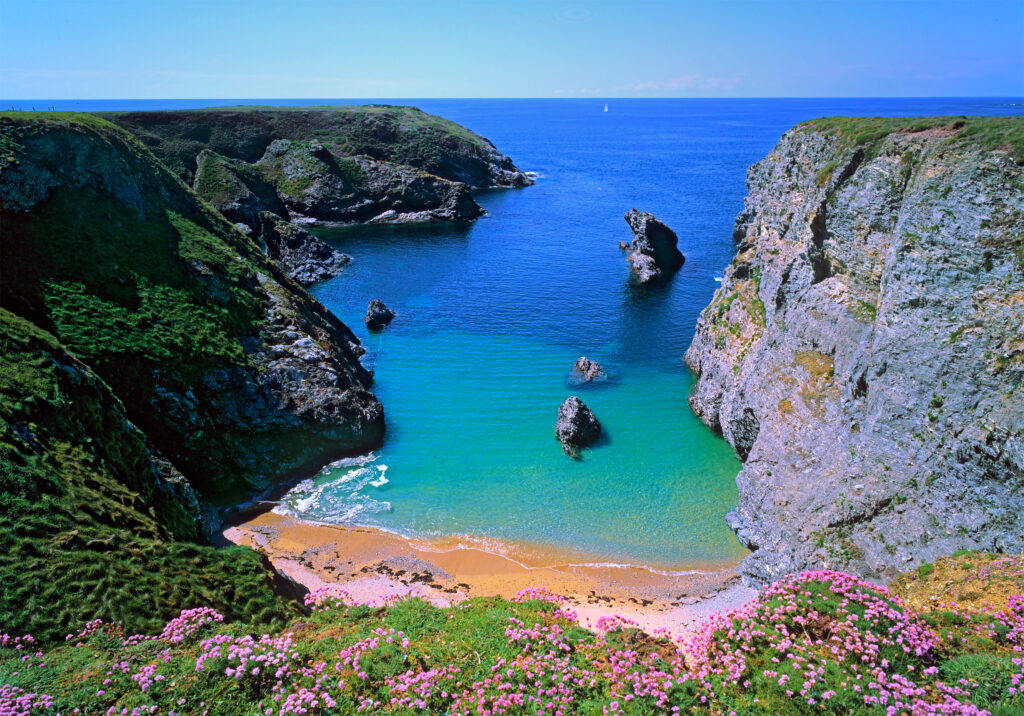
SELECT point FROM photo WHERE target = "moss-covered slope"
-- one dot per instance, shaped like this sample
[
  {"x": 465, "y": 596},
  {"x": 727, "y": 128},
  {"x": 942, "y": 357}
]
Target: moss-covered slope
[
  {"x": 233, "y": 371},
  {"x": 93, "y": 523},
  {"x": 400, "y": 135}
]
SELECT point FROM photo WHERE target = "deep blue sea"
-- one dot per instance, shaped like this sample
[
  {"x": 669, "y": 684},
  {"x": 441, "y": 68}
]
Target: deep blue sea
[{"x": 492, "y": 315}]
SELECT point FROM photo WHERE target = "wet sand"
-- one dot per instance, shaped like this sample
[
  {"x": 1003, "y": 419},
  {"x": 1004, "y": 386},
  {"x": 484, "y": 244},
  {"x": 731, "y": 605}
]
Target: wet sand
[{"x": 371, "y": 564}]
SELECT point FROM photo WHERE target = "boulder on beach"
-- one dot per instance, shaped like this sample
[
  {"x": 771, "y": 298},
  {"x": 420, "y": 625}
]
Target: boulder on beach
[
  {"x": 377, "y": 315},
  {"x": 654, "y": 255},
  {"x": 586, "y": 370},
  {"x": 577, "y": 427}
]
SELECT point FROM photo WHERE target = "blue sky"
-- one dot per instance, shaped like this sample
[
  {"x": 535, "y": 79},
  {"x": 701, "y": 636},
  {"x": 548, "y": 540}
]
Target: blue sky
[{"x": 86, "y": 49}]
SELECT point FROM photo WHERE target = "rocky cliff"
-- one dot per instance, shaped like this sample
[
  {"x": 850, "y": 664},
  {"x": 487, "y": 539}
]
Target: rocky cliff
[
  {"x": 325, "y": 165},
  {"x": 233, "y": 371},
  {"x": 865, "y": 352},
  {"x": 94, "y": 522}
]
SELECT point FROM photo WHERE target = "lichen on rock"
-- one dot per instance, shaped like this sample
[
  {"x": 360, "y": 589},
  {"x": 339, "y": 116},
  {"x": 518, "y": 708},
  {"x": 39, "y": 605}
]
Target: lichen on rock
[{"x": 864, "y": 354}]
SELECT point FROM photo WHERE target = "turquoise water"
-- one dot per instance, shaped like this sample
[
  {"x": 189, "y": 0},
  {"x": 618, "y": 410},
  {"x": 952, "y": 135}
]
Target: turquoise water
[{"x": 492, "y": 315}]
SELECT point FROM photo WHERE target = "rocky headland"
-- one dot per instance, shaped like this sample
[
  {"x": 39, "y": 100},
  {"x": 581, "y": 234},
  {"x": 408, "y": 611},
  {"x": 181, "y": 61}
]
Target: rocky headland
[
  {"x": 328, "y": 165},
  {"x": 154, "y": 358},
  {"x": 865, "y": 353}
]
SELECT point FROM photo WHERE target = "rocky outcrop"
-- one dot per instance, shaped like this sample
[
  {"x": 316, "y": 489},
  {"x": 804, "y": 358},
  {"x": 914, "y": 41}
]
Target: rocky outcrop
[
  {"x": 864, "y": 354},
  {"x": 302, "y": 255},
  {"x": 585, "y": 370},
  {"x": 377, "y": 315},
  {"x": 654, "y": 255},
  {"x": 576, "y": 427},
  {"x": 395, "y": 135},
  {"x": 234, "y": 373},
  {"x": 93, "y": 520},
  {"x": 317, "y": 187}
]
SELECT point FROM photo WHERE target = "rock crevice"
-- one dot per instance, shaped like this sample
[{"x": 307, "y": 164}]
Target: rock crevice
[{"x": 864, "y": 352}]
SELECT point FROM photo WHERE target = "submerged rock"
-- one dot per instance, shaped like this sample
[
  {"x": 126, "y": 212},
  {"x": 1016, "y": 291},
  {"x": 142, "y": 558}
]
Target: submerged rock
[
  {"x": 306, "y": 258},
  {"x": 377, "y": 315},
  {"x": 576, "y": 427},
  {"x": 586, "y": 370},
  {"x": 654, "y": 254}
]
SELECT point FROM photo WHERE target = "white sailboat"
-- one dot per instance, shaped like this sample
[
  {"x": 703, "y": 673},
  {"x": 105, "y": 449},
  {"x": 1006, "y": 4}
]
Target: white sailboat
[{"x": 606, "y": 108}]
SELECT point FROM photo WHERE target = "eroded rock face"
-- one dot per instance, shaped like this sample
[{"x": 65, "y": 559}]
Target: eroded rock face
[
  {"x": 576, "y": 427},
  {"x": 302, "y": 255},
  {"x": 237, "y": 376},
  {"x": 653, "y": 255},
  {"x": 864, "y": 354},
  {"x": 586, "y": 370},
  {"x": 377, "y": 315}
]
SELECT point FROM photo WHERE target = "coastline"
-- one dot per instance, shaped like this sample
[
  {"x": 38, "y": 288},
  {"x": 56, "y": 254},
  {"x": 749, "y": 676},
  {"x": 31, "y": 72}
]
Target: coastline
[{"x": 371, "y": 564}]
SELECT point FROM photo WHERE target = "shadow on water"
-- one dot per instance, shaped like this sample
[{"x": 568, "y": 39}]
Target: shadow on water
[{"x": 351, "y": 236}]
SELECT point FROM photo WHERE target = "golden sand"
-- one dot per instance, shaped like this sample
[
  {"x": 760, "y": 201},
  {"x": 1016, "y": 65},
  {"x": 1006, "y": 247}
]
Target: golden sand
[{"x": 371, "y": 564}]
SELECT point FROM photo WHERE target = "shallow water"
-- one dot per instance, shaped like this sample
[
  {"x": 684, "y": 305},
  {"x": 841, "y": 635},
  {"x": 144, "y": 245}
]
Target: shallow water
[{"x": 492, "y": 315}]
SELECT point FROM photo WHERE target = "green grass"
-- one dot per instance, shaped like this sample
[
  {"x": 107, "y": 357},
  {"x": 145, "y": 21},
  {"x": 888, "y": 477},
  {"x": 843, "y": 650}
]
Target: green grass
[
  {"x": 987, "y": 132},
  {"x": 86, "y": 529},
  {"x": 403, "y": 135}
]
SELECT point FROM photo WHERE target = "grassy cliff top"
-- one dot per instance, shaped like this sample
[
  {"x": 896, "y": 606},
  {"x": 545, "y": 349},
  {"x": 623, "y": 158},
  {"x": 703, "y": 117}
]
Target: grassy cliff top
[
  {"x": 403, "y": 135},
  {"x": 1005, "y": 133},
  {"x": 820, "y": 642}
]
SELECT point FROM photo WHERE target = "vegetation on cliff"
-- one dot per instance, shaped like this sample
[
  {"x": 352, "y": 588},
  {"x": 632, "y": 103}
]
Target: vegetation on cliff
[
  {"x": 93, "y": 523},
  {"x": 152, "y": 357},
  {"x": 400, "y": 135},
  {"x": 182, "y": 315},
  {"x": 864, "y": 353},
  {"x": 820, "y": 642}
]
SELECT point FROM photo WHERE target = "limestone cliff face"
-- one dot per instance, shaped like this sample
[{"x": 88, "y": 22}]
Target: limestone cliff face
[
  {"x": 232, "y": 370},
  {"x": 865, "y": 352}
]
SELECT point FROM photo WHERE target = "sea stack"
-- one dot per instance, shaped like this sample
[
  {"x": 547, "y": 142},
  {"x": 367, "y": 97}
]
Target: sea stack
[
  {"x": 577, "y": 427},
  {"x": 586, "y": 370},
  {"x": 654, "y": 255},
  {"x": 377, "y": 315}
]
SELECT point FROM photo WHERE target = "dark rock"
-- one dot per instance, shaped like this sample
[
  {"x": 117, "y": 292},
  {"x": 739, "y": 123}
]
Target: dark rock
[
  {"x": 377, "y": 315},
  {"x": 302, "y": 255},
  {"x": 576, "y": 427},
  {"x": 624, "y": 246},
  {"x": 654, "y": 254},
  {"x": 863, "y": 354},
  {"x": 586, "y": 370},
  {"x": 248, "y": 380}
]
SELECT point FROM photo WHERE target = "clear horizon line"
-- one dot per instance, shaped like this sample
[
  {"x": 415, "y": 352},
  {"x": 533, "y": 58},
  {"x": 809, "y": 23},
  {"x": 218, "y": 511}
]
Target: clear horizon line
[{"x": 557, "y": 99}]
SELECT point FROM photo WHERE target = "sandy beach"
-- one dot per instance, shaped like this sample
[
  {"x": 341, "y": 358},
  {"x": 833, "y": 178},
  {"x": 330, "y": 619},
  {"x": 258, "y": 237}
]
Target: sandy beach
[{"x": 370, "y": 564}]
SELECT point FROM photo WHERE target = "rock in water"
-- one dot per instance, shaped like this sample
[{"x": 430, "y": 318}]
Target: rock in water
[
  {"x": 654, "y": 254},
  {"x": 587, "y": 370},
  {"x": 306, "y": 258},
  {"x": 377, "y": 315},
  {"x": 577, "y": 427}
]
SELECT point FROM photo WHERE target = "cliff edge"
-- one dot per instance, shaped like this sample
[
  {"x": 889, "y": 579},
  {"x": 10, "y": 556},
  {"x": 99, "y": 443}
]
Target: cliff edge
[{"x": 865, "y": 352}]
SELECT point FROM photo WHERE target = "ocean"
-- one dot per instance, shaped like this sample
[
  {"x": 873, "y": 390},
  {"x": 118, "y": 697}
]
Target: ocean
[{"x": 491, "y": 316}]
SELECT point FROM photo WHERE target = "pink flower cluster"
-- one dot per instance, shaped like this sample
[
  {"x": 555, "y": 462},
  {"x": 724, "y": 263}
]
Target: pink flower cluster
[
  {"x": 816, "y": 628},
  {"x": 15, "y": 701}
]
